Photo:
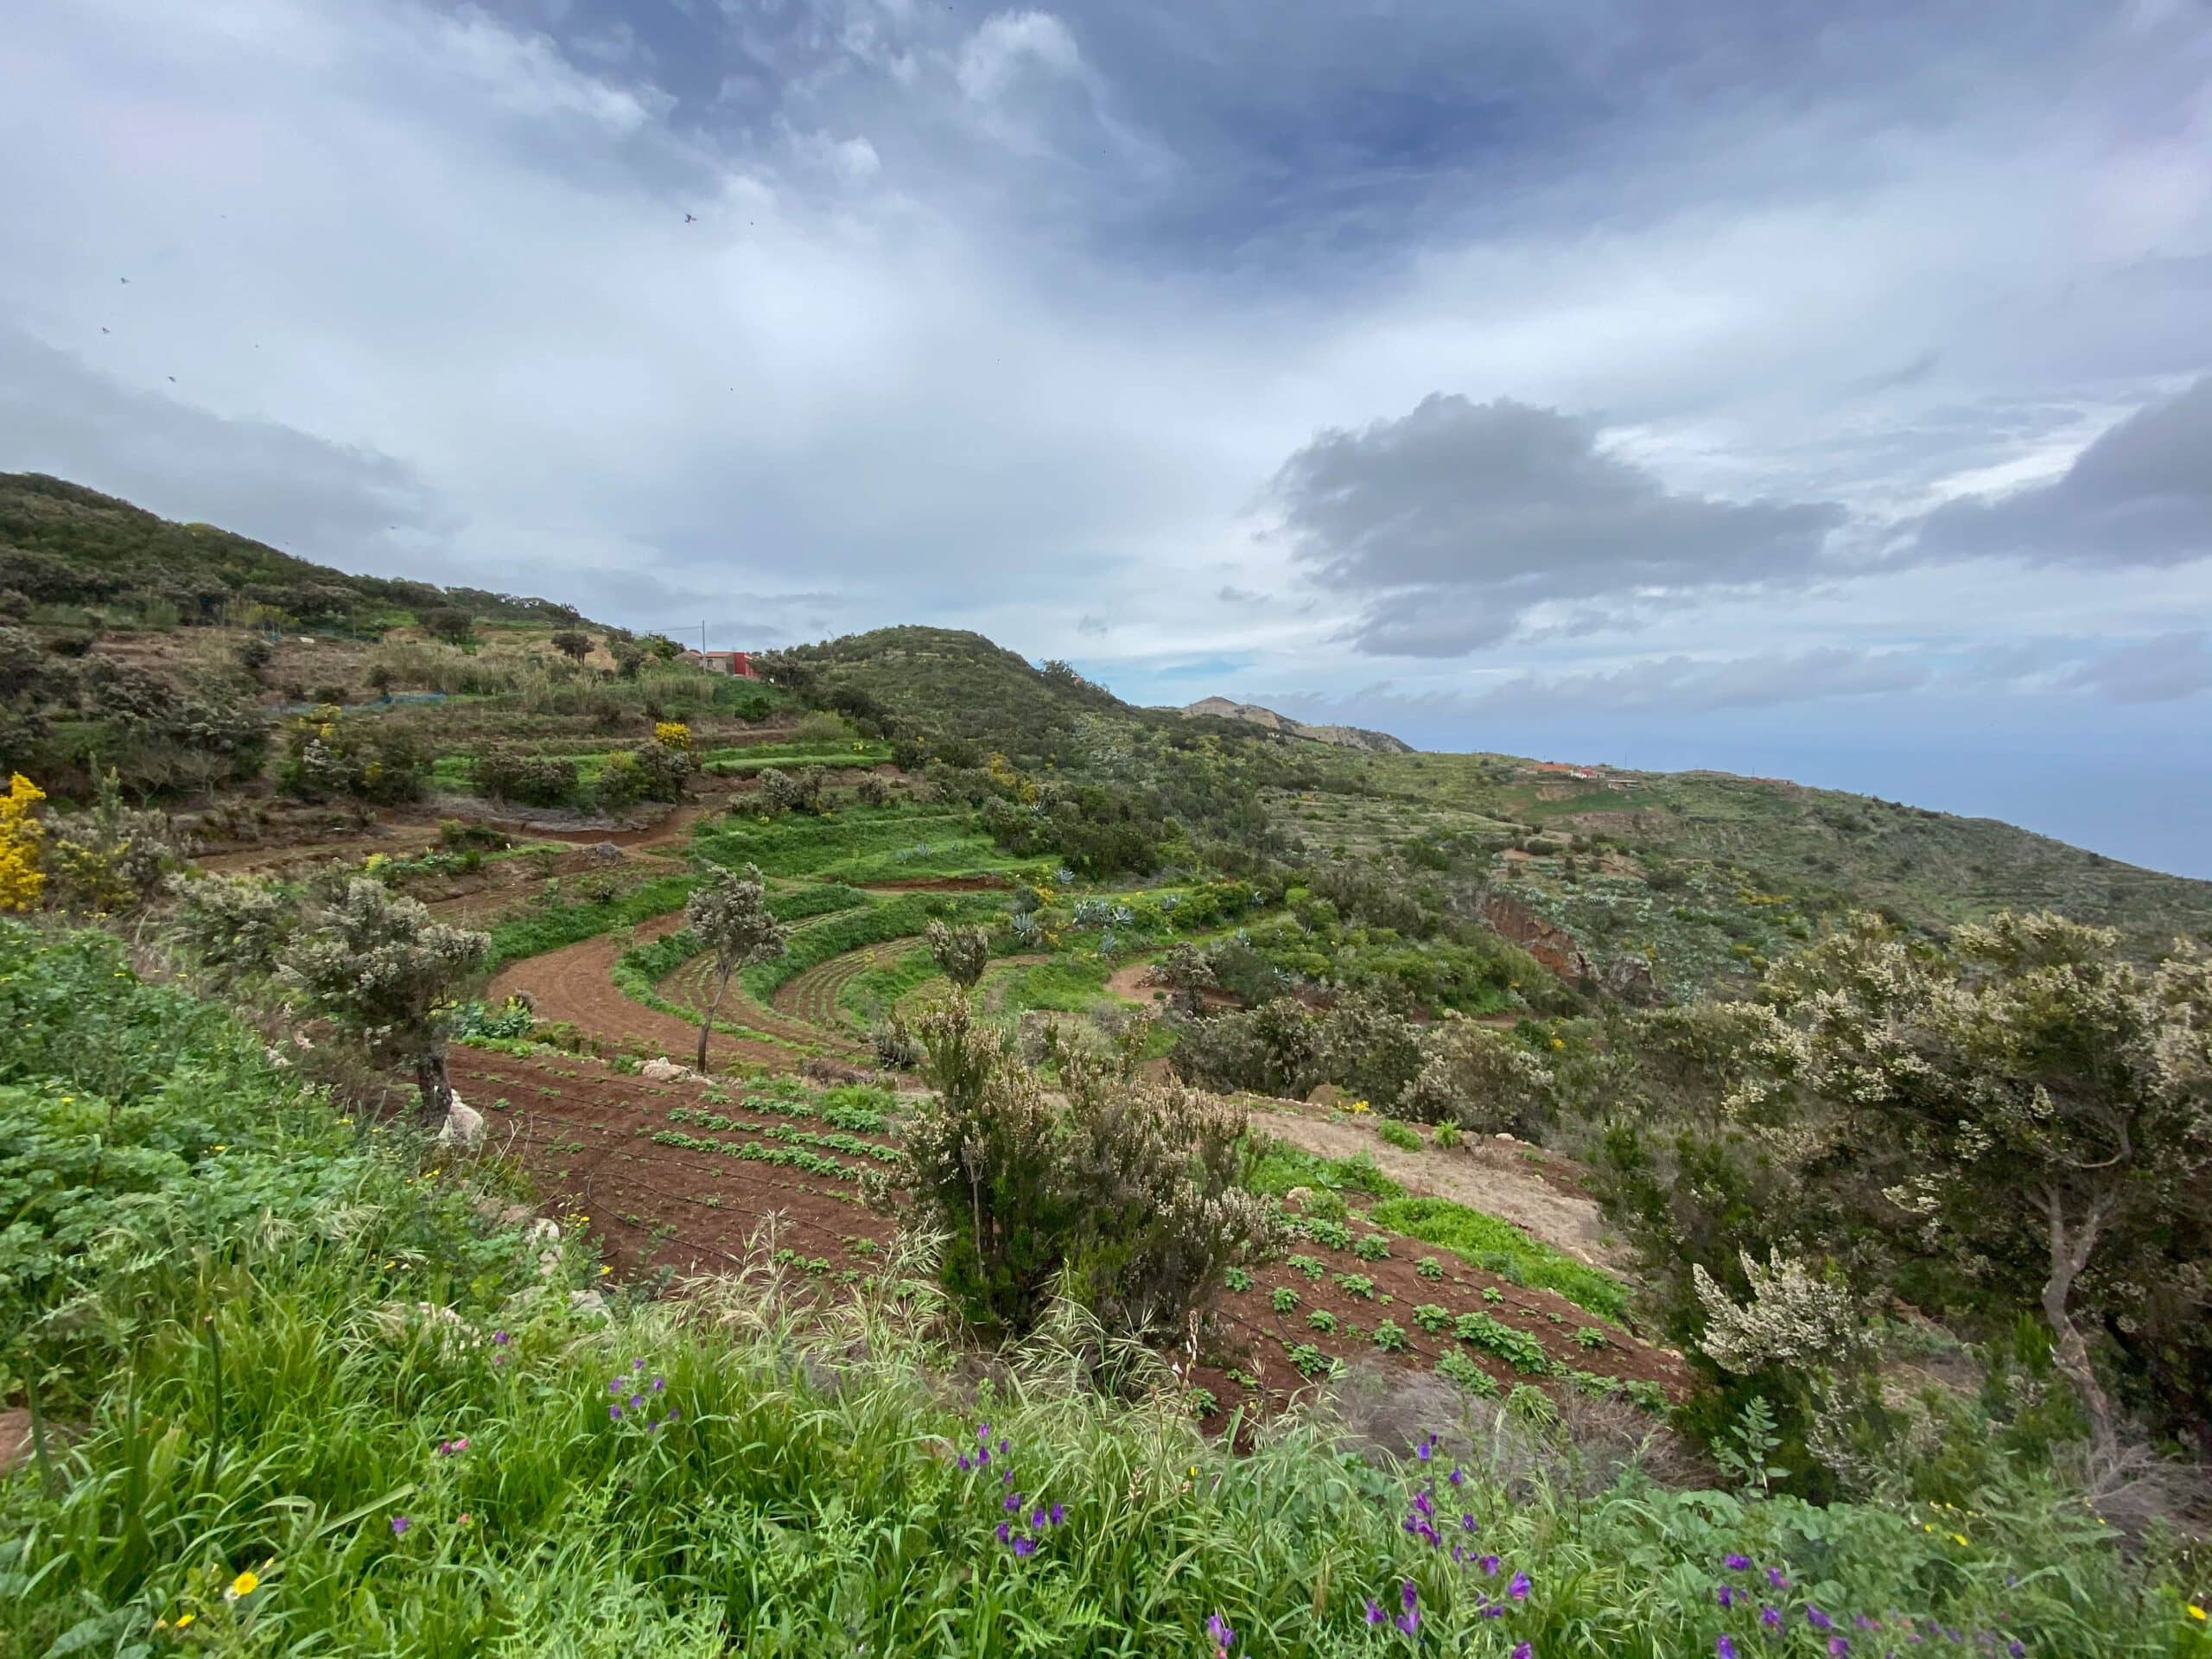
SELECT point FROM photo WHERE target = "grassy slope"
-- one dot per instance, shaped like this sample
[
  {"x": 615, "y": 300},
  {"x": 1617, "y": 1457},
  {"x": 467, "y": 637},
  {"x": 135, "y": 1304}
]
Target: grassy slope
[{"x": 254, "y": 1395}]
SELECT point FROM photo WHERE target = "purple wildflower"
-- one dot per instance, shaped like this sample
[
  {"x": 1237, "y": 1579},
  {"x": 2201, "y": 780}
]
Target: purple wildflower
[
  {"x": 1012, "y": 1501},
  {"x": 616, "y": 1387},
  {"x": 2017, "y": 1648},
  {"x": 1725, "y": 1649},
  {"x": 1489, "y": 1565},
  {"x": 637, "y": 1403},
  {"x": 965, "y": 1466},
  {"x": 1525, "y": 1650},
  {"x": 399, "y": 1525},
  {"x": 1374, "y": 1610},
  {"x": 1003, "y": 1529},
  {"x": 1005, "y": 1450},
  {"x": 1725, "y": 1594},
  {"x": 1736, "y": 1563},
  {"x": 1037, "y": 1521},
  {"x": 1058, "y": 1514},
  {"x": 660, "y": 1384},
  {"x": 501, "y": 1338},
  {"x": 984, "y": 1459},
  {"x": 1409, "y": 1594},
  {"x": 1427, "y": 1448},
  {"x": 1819, "y": 1620},
  {"x": 983, "y": 1434},
  {"x": 1520, "y": 1587},
  {"x": 1223, "y": 1636},
  {"x": 1457, "y": 1477},
  {"x": 1839, "y": 1647},
  {"x": 1494, "y": 1610},
  {"x": 1409, "y": 1621},
  {"x": 1458, "y": 1554},
  {"x": 1466, "y": 1523},
  {"x": 1772, "y": 1617},
  {"x": 1421, "y": 1502},
  {"x": 671, "y": 1417},
  {"x": 1024, "y": 1546},
  {"x": 614, "y": 1414},
  {"x": 637, "y": 1365},
  {"x": 1775, "y": 1580}
]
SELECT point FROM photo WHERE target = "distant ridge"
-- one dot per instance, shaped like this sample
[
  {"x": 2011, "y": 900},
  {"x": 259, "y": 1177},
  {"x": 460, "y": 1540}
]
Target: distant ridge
[{"x": 1345, "y": 737}]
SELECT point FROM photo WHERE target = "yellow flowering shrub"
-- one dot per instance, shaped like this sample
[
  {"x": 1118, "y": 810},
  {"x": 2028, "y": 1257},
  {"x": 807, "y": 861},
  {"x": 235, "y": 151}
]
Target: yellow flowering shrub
[
  {"x": 672, "y": 735},
  {"x": 22, "y": 882}
]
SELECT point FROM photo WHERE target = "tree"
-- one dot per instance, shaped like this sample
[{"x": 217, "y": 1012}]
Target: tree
[
  {"x": 962, "y": 952},
  {"x": 728, "y": 914},
  {"x": 449, "y": 623},
  {"x": 629, "y": 658},
  {"x": 1187, "y": 972},
  {"x": 2026, "y": 1103},
  {"x": 375, "y": 964},
  {"x": 573, "y": 644}
]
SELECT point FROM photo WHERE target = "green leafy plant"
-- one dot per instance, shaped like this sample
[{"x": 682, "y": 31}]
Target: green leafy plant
[
  {"x": 1431, "y": 1318},
  {"x": 1282, "y": 1299},
  {"x": 1390, "y": 1337},
  {"x": 1429, "y": 1268}
]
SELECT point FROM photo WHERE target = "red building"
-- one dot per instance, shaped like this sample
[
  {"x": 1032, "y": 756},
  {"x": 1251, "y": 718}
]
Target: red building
[{"x": 739, "y": 662}]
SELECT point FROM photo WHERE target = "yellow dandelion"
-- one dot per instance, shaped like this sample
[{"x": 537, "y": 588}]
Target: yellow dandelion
[
  {"x": 245, "y": 1585},
  {"x": 2197, "y": 1612},
  {"x": 606, "y": 1271},
  {"x": 184, "y": 1619},
  {"x": 1958, "y": 1538}
]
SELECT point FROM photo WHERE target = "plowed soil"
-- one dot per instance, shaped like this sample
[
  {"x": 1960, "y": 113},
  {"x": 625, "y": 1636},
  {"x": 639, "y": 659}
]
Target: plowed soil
[{"x": 586, "y": 1132}]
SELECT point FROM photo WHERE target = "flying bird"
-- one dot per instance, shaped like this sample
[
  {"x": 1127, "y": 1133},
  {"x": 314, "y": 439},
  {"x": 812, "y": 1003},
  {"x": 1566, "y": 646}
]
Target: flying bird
[
  {"x": 103, "y": 330},
  {"x": 690, "y": 219},
  {"x": 122, "y": 279},
  {"x": 172, "y": 379}
]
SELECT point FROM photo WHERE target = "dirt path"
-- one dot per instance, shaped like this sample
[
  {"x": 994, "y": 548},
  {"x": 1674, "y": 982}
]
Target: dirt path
[
  {"x": 1486, "y": 1175},
  {"x": 1128, "y": 983},
  {"x": 576, "y": 984}
]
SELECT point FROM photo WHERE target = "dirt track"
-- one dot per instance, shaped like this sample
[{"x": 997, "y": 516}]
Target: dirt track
[{"x": 576, "y": 984}]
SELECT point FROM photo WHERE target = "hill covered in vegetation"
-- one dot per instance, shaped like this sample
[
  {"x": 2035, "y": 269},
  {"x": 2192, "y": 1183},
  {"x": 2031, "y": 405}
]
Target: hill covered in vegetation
[{"x": 1145, "y": 1183}]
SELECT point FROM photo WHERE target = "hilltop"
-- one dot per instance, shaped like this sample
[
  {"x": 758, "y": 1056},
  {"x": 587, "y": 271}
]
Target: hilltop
[{"x": 1347, "y": 737}]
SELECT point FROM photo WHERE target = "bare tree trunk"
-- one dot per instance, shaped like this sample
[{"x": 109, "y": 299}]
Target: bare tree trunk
[
  {"x": 2070, "y": 1352},
  {"x": 706, "y": 1025},
  {"x": 437, "y": 1091}
]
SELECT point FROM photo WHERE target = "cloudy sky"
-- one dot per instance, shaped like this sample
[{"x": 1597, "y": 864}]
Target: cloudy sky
[{"x": 1766, "y": 385}]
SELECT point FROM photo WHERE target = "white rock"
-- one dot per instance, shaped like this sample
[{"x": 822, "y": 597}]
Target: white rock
[
  {"x": 464, "y": 1125},
  {"x": 662, "y": 1069}
]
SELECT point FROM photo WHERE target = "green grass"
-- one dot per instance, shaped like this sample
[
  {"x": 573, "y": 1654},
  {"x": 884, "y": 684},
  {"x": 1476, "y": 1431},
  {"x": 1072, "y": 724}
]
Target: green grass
[
  {"x": 900, "y": 917},
  {"x": 1279, "y": 1167},
  {"x": 870, "y": 995},
  {"x": 800, "y": 844},
  {"x": 249, "y": 1381},
  {"x": 1501, "y": 1248},
  {"x": 1064, "y": 985},
  {"x": 550, "y": 926}
]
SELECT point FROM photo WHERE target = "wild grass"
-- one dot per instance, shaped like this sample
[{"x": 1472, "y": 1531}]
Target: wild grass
[{"x": 1501, "y": 1248}]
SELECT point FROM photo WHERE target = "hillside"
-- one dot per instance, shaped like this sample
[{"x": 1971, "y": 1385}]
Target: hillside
[
  {"x": 1376, "y": 1115},
  {"x": 1346, "y": 737},
  {"x": 62, "y": 546}
]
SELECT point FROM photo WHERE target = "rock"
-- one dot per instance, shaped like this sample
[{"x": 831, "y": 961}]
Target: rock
[
  {"x": 464, "y": 1125},
  {"x": 1325, "y": 1093},
  {"x": 605, "y": 852},
  {"x": 1299, "y": 1196},
  {"x": 588, "y": 1303},
  {"x": 662, "y": 1069},
  {"x": 1500, "y": 1135}
]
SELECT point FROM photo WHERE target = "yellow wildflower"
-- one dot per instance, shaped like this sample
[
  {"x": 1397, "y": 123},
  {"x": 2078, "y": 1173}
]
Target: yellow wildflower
[
  {"x": 245, "y": 1585},
  {"x": 184, "y": 1619},
  {"x": 2197, "y": 1612},
  {"x": 1958, "y": 1537}
]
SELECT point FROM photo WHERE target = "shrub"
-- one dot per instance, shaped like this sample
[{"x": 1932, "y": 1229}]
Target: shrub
[
  {"x": 108, "y": 862},
  {"x": 328, "y": 756},
  {"x": 962, "y": 952},
  {"x": 1431, "y": 1318},
  {"x": 1398, "y": 1135},
  {"x": 1429, "y": 1268},
  {"x": 1322, "y": 1320},
  {"x": 506, "y": 774},
  {"x": 376, "y": 965},
  {"x": 21, "y": 882},
  {"x": 1482, "y": 1079},
  {"x": 1282, "y": 1299},
  {"x": 1125, "y": 1192},
  {"x": 571, "y": 643},
  {"x": 1390, "y": 1337},
  {"x": 1371, "y": 1247}
]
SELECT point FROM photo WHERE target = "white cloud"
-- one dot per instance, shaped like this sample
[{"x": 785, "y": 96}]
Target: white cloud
[{"x": 1010, "y": 43}]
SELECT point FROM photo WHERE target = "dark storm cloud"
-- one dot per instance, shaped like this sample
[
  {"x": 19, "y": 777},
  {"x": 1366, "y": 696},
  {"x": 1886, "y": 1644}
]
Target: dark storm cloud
[
  {"x": 1449, "y": 525},
  {"x": 2140, "y": 495}
]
